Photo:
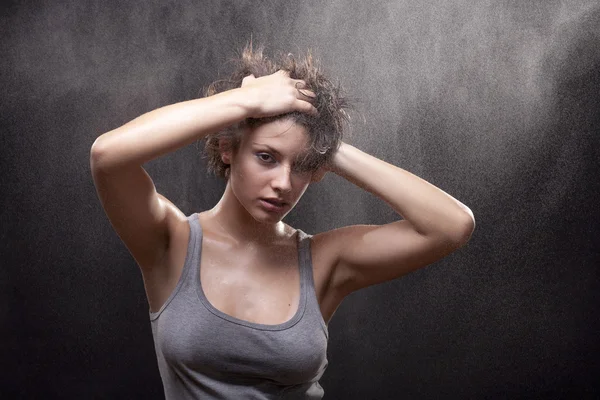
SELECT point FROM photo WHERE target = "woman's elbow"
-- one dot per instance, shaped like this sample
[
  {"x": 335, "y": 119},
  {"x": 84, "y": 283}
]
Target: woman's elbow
[{"x": 466, "y": 228}]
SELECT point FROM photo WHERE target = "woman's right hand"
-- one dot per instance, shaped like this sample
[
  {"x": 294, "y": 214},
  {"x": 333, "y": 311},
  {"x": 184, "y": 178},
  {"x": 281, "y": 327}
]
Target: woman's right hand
[{"x": 276, "y": 94}]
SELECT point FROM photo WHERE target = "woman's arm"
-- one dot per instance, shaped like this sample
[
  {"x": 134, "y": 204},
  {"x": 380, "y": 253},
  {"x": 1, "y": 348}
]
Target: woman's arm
[
  {"x": 169, "y": 128},
  {"x": 430, "y": 210},
  {"x": 434, "y": 225}
]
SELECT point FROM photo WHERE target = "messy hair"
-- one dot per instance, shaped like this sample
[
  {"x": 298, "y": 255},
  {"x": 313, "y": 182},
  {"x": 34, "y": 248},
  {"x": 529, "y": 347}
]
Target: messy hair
[{"x": 325, "y": 131}]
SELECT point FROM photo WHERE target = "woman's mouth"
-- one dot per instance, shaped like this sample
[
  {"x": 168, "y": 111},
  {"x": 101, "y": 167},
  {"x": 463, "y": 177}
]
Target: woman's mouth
[{"x": 272, "y": 204}]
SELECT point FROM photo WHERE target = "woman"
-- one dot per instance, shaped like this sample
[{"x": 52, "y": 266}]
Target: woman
[{"x": 239, "y": 300}]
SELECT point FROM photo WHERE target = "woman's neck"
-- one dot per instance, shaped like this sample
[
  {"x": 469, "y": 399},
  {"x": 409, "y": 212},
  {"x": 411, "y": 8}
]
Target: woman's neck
[{"x": 236, "y": 222}]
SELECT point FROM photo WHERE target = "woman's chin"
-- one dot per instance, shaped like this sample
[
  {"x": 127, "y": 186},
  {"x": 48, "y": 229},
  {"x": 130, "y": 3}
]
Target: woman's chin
[{"x": 267, "y": 218}]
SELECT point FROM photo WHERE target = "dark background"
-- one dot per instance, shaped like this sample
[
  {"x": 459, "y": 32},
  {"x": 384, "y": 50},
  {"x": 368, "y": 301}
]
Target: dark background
[{"x": 497, "y": 103}]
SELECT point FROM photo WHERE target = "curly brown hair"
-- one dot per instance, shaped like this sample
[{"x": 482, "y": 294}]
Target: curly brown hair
[{"x": 325, "y": 131}]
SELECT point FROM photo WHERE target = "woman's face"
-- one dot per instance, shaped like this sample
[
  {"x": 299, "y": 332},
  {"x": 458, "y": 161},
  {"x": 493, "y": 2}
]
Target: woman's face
[{"x": 263, "y": 173}]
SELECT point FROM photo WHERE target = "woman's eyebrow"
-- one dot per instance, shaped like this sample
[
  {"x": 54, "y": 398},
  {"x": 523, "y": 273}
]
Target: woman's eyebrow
[
  {"x": 299, "y": 157},
  {"x": 271, "y": 149}
]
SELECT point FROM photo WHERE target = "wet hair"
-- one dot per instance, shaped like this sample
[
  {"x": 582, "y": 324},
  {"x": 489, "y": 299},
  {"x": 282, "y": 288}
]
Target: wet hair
[{"x": 325, "y": 131}]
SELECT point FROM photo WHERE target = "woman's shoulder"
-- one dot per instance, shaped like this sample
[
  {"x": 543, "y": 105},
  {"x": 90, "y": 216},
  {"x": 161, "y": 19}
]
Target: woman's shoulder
[
  {"x": 330, "y": 244},
  {"x": 325, "y": 251},
  {"x": 324, "y": 246}
]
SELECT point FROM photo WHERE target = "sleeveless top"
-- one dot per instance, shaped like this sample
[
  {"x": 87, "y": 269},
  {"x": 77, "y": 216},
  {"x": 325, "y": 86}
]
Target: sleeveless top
[{"x": 204, "y": 353}]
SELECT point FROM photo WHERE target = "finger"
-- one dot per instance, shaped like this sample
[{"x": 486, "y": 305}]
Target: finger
[
  {"x": 248, "y": 79},
  {"x": 299, "y": 84},
  {"x": 307, "y": 94},
  {"x": 308, "y": 108}
]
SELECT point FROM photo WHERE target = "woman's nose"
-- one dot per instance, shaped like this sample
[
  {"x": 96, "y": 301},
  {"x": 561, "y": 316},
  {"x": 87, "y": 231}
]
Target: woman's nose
[{"x": 282, "y": 181}]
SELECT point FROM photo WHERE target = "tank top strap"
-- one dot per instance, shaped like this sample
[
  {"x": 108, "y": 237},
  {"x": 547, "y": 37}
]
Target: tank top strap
[
  {"x": 306, "y": 267},
  {"x": 304, "y": 256},
  {"x": 190, "y": 272},
  {"x": 194, "y": 251}
]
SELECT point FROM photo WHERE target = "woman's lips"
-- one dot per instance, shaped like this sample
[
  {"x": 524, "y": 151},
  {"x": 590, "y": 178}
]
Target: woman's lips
[{"x": 272, "y": 205}]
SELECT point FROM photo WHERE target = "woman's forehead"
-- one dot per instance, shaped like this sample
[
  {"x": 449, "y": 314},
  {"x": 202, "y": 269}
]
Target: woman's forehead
[{"x": 285, "y": 134}]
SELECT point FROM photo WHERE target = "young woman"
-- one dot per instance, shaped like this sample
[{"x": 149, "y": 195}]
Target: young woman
[{"x": 239, "y": 300}]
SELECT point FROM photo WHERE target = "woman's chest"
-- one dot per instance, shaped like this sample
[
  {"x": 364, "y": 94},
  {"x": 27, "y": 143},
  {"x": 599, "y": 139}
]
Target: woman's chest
[
  {"x": 251, "y": 284},
  {"x": 236, "y": 352}
]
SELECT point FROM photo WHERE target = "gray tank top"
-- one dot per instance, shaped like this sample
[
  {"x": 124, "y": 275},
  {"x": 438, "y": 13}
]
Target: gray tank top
[{"x": 204, "y": 353}]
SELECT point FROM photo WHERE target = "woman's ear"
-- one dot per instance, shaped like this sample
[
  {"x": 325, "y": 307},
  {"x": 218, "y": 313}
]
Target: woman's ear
[
  {"x": 318, "y": 175},
  {"x": 225, "y": 150}
]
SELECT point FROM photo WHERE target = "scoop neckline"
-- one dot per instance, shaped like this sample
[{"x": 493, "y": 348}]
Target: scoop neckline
[{"x": 271, "y": 327}]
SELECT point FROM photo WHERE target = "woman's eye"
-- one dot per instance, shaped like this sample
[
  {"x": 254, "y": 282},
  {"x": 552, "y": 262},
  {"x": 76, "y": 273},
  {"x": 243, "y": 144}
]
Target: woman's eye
[{"x": 264, "y": 157}]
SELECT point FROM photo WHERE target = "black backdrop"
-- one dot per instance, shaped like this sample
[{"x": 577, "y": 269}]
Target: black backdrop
[{"x": 496, "y": 103}]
